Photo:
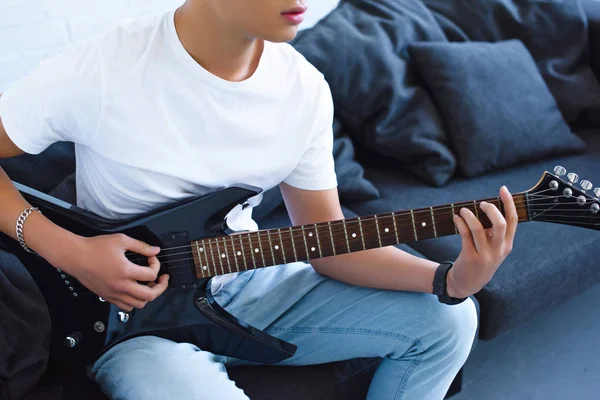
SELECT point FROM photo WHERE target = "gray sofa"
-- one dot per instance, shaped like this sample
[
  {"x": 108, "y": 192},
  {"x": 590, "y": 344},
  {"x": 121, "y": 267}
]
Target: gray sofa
[{"x": 550, "y": 263}]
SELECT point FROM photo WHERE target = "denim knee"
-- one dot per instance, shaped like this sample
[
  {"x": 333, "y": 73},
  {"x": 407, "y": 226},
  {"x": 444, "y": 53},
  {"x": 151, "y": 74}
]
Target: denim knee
[
  {"x": 149, "y": 368},
  {"x": 457, "y": 326}
]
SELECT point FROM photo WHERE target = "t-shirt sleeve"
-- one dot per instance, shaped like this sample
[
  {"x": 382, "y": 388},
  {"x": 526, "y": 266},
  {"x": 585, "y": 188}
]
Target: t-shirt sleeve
[
  {"x": 315, "y": 170},
  {"x": 58, "y": 101}
]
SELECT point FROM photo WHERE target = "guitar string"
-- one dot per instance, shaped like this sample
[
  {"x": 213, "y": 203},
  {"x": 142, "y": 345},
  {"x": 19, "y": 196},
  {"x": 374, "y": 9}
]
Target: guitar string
[
  {"x": 420, "y": 228},
  {"x": 262, "y": 234},
  {"x": 173, "y": 268},
  {"x": 401, "y": 214},
  {"x": 229, "y": 240},
  {"x": 177, "y": 270}
]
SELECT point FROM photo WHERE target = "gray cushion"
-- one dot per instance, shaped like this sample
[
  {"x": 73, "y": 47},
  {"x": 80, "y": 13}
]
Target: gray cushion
[
  {"x": 555, "y": 32},
  {"x": 492, "y": 96},
  {"x": 592, "y": 11},
  {"x": 352, "y": 184},
  {"x": 549, "y": 264},
  {"x": 359, "y": 48}
]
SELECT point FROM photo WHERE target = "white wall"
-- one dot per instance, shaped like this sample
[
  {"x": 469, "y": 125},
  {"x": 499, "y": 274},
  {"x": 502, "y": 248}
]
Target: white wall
[{"x": 31, "y": 30}]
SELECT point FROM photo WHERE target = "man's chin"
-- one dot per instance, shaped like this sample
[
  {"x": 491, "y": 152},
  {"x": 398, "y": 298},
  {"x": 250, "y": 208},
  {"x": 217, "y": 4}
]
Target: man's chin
[{"x": 283, "y": 35}]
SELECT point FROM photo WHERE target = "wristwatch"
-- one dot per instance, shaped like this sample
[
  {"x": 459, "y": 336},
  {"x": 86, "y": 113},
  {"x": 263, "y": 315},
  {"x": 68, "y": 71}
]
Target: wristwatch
[{"x": 440, "y": 286}]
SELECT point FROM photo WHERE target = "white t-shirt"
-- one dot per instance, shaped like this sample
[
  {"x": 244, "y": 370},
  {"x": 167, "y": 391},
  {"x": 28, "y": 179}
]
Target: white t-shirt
[{"x": 151, "y": 126}]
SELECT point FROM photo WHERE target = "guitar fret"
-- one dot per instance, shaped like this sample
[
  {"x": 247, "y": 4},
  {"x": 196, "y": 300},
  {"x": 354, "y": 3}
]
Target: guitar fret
[
  {"x": 212, "y": 255},
  {"x": 412, "y": 216},
  {"x": 362, "y": 237},
  {"x": 262, "y": 254},
  {"x": 237, "y": 264},
  {"x": 331, "y": 236},
  {"x": 282, "y": 246},
  {"x": 453, "y": 212},
  {"x": 200, "y": 259},
  {"x": 476, "y": 210},
  {"x": 219, "y": 255},
  {"x": 346, "y": 235},
  {"x": 433, "y": 222},
  {"x": 318, "y": 241},
  {"x": 305, "y": 243},
  {"x": 293, "y": 244},
  {"x": 243, "y": 253},
  {"x": 227, "y": 254},
  {"x": 378, "y": 234},
  {"x": 251, "y": 249},
  {"x": 207, "y": 265},
  {"x": 395, "y": 228},
  {"x": 272, "y": 248}
]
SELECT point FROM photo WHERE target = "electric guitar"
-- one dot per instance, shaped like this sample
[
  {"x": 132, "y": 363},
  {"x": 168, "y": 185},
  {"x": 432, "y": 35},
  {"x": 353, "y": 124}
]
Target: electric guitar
[{"x": 196, "y": 244}]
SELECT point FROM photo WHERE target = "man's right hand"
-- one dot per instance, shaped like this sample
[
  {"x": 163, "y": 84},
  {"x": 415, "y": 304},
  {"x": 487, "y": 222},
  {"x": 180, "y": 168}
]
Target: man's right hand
[{"x": 99, "y": 263}]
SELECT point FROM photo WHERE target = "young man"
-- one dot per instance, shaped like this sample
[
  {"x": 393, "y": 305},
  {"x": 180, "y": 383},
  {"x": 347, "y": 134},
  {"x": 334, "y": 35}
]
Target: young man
[{"x": 199, "y": 98}]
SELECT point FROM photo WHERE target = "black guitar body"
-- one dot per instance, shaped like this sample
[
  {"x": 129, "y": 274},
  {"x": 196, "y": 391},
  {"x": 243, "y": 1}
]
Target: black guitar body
[{"x": 84, "y": 326}]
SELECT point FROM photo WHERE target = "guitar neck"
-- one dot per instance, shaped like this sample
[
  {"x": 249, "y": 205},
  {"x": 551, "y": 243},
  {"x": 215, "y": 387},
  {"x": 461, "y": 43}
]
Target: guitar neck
[{"x": 263, "y": 248}]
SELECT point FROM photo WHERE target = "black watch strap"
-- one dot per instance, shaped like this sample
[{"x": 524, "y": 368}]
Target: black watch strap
[{"x": 440, "y": 287}]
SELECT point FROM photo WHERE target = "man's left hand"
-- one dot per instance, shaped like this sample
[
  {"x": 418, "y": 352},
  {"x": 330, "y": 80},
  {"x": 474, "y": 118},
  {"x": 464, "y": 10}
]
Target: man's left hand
[{"x": 483, "y": 250}]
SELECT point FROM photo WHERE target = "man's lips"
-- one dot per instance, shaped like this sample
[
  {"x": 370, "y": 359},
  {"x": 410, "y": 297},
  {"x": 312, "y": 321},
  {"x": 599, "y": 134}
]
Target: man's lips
[
  {"x": 296, "y": 10},
  {"x": 295, "y": 15}
]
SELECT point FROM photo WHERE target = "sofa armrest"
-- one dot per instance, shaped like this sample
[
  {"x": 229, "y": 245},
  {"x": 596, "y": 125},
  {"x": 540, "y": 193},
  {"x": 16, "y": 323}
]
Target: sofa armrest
[{"x": 592, "y": 11}]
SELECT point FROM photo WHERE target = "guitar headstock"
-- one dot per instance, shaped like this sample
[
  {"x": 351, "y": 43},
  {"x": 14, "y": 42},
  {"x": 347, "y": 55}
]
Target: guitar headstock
[{"x": 564, "y": 201}]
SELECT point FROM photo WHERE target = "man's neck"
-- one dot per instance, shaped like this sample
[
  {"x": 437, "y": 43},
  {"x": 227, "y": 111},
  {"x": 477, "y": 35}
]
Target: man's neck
[{"x": 219, "y": 49}]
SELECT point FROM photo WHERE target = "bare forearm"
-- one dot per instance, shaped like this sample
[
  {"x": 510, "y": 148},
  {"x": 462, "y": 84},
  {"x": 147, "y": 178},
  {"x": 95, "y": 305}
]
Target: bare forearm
[
  {"x": 41, "y": 235},
  {"x": 382, "y": 268}
]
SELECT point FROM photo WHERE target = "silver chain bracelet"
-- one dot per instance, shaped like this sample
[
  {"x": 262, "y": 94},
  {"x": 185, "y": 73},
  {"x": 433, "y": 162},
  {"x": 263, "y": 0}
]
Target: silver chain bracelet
[{"x": 20, "y": 221}]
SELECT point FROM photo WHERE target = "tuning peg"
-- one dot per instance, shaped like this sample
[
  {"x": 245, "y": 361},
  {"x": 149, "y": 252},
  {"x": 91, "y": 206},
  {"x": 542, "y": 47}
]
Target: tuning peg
[
  {"x": 597, "y": 192},
  {"x": 560, "y": 171},
  {"x": 573, "y": 177},
  {"x": 586, "y": 185}
]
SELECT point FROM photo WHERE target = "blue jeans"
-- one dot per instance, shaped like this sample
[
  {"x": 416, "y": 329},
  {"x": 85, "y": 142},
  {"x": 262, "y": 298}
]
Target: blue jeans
[{"x": 423, "y": 343}]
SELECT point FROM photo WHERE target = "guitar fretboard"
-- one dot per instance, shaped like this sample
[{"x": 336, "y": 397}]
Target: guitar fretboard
[{"x": 246, "y": 251}]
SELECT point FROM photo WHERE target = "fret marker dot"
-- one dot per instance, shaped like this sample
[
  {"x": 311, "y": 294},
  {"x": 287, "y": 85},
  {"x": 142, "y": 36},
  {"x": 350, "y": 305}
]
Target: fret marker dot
[
  {"x": 423, "y": 223},
  {"x": 387, "y": 230},
  {"x": 222, "y": 255},
  {"x": 276, "y": 247},
  {"x": 256, "y": 250},
  {"x": 201, "y": 249},
  {"x": 204, "y": 267},
  {"x": 310, "y": 234},
  {"x": 354, "y": 235},
  {"x": 312, "y": 249},
  {"x": 239, "y": 253}
]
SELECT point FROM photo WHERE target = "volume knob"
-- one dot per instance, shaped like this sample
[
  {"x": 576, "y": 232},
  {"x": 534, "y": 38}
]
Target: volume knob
[{"x": 597, "y": 192}]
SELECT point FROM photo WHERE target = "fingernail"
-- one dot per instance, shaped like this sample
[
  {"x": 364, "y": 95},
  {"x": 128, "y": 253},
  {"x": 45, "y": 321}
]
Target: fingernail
[
  {"x": 455, "y": 216},
  {"x": 154, "y": 248}
]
